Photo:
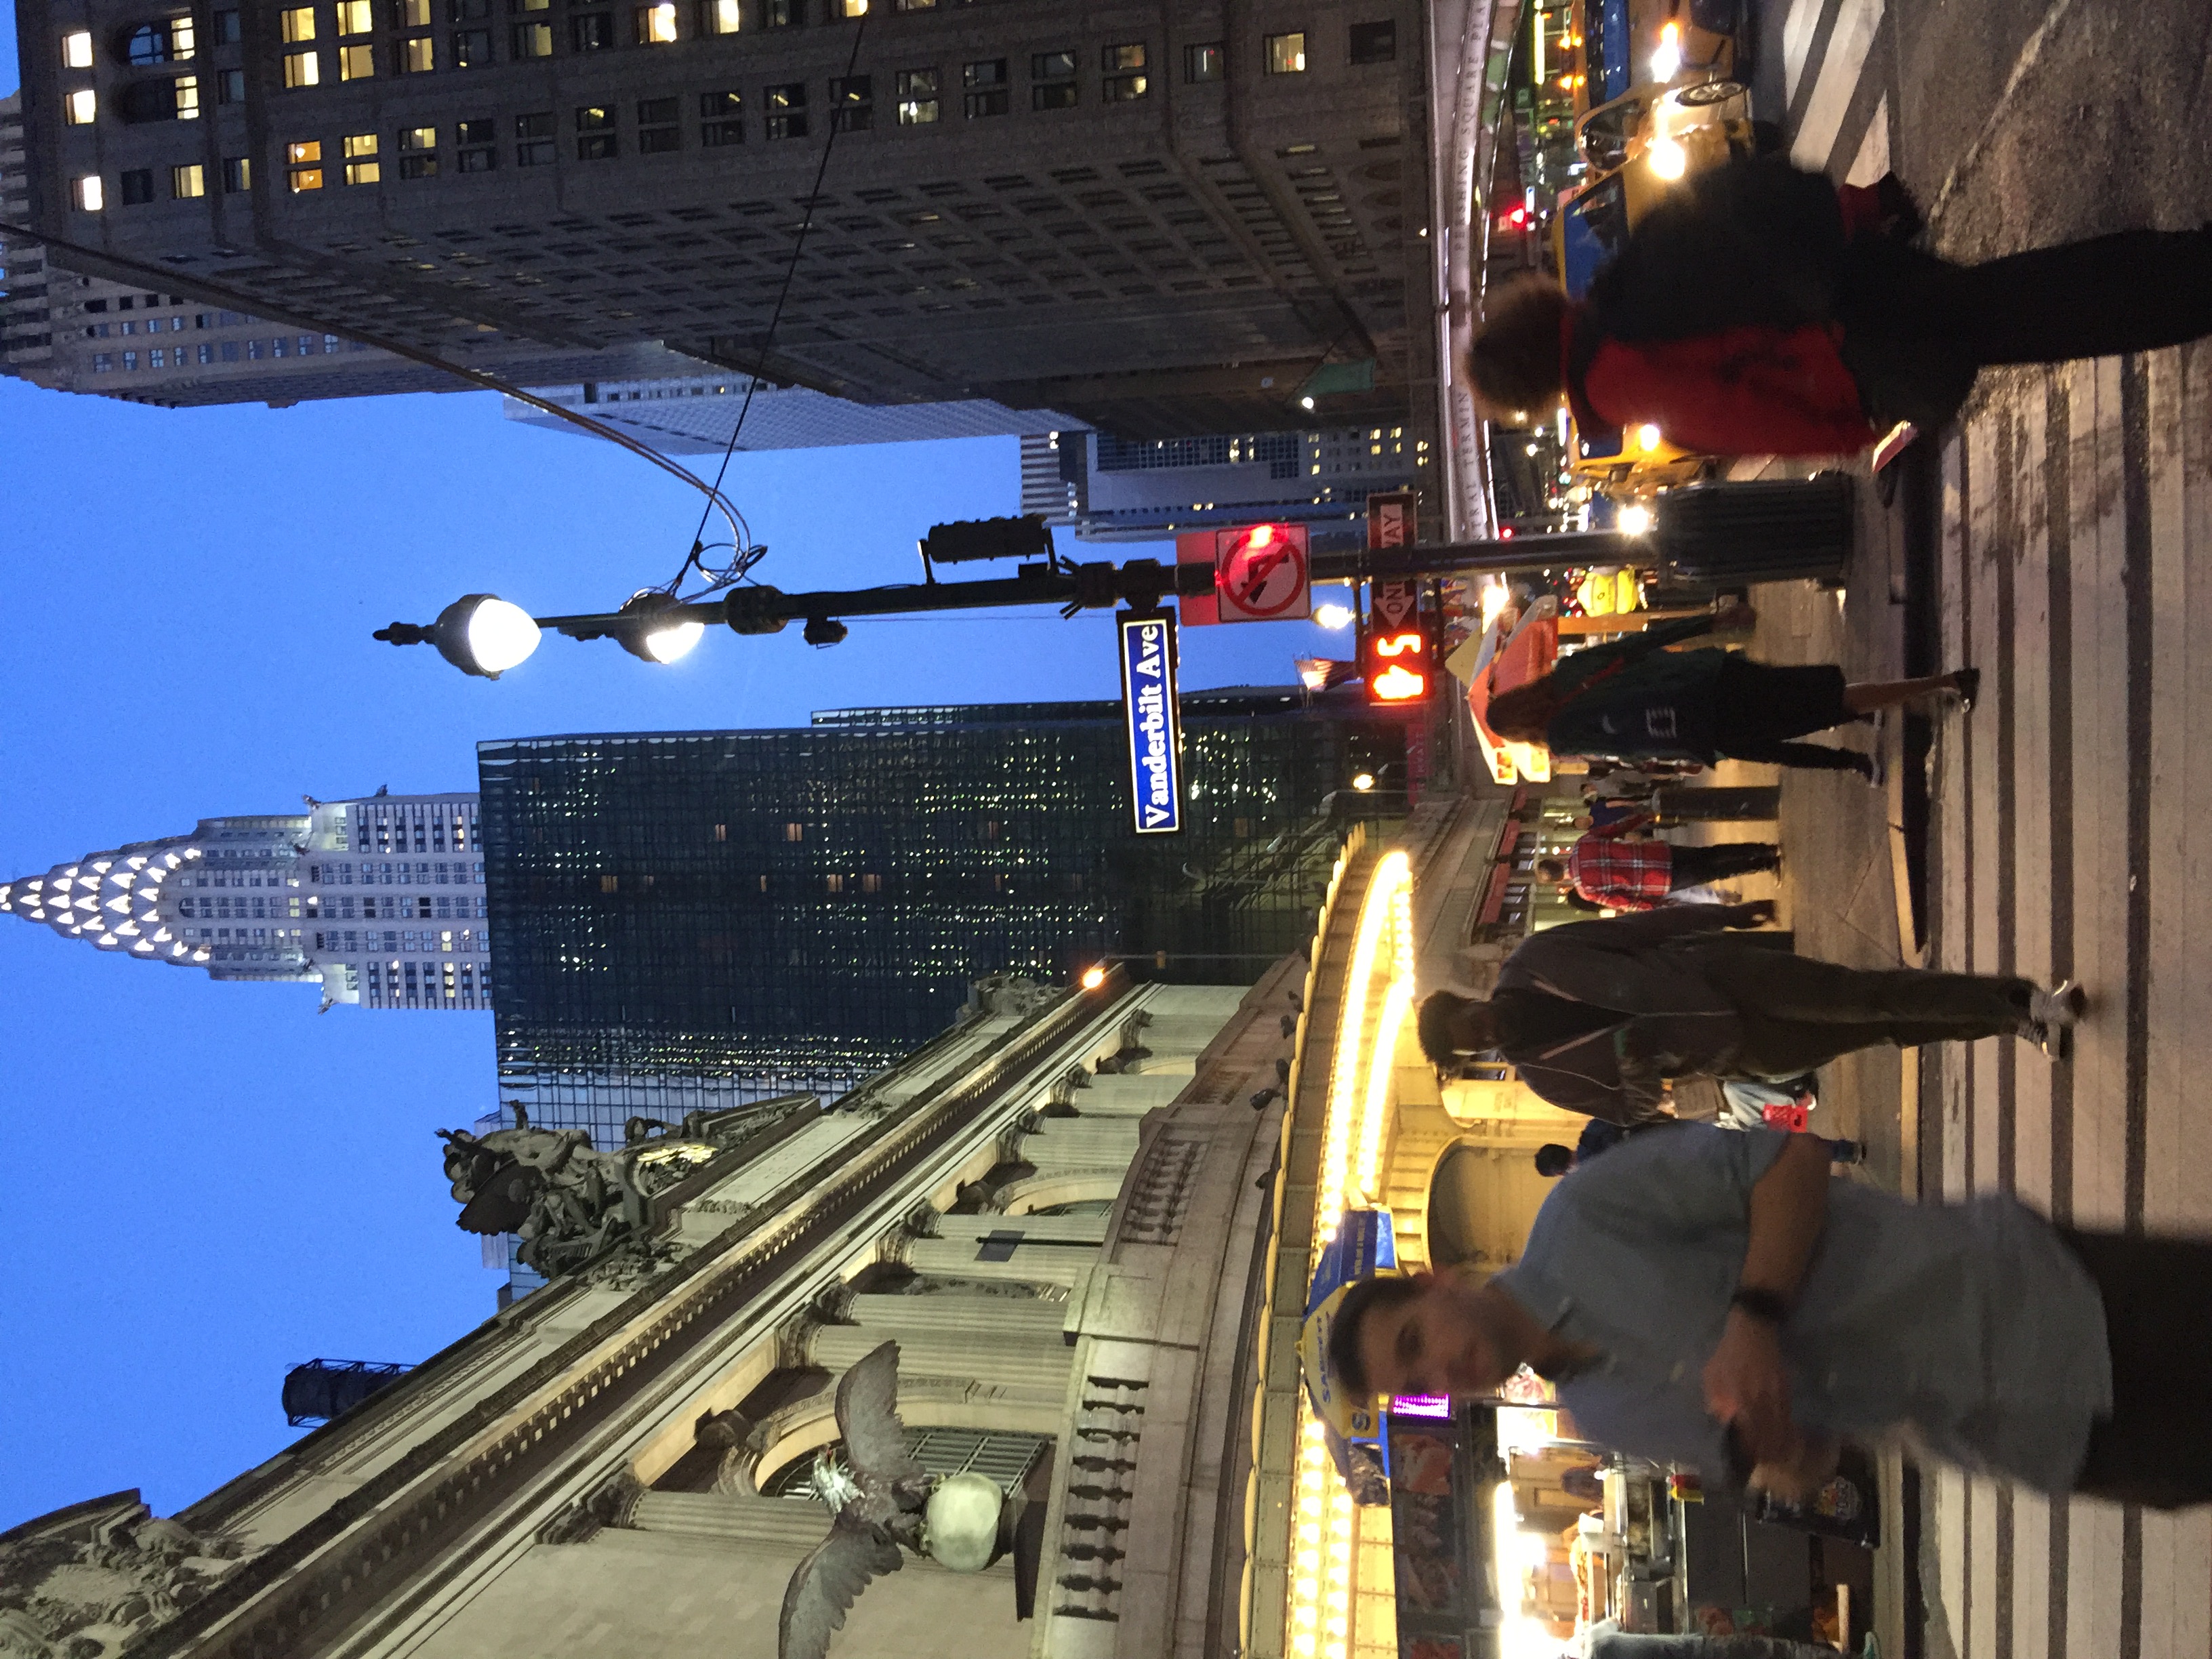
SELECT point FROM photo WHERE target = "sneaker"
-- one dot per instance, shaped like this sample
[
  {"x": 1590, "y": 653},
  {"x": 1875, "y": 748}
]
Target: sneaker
[
  {"x": 2063, "y": 1005},
  {"x": 1847, "y": 1151},
  {"x": 1967, "y": 683},
  {"x": 2056, "y": 1042},
  {"x": 1874, "y": 769}
]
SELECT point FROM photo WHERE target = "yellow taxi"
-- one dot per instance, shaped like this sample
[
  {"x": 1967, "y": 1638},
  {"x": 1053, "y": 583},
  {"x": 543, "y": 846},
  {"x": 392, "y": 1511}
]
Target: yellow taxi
[{"x": 1638, "y": 147}]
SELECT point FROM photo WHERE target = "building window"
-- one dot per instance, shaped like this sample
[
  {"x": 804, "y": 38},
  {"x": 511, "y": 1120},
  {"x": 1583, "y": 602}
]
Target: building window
[
  {"x": 362, "y": 168},
  {"x": 722, "y": 832},
  {"x": 230, "y": 86},
  {"x": 1202, "y": 63},
  {"x": 1375, "y": 43},
  {"x": 77, "y": 49},
  {"x": 78, "y": 108},
  {"x": 412, "y": 14},
  {"x": 1287, "y": 53},
  {"x": 471, "y": 48},
  {"x": 175, "y": 98},
  {"x": 533, "y": 39},
  {"x": 354, "y": 17},
  {"x": 356, "y": 63},
  {"x": 610, "y": 884},
  {"x": 296, "y": 23},
  {"x": 658, "y": 127},
  {"x": 834, "y": 883},
  {"x": 417, "y": 55},
  {"x": 593, "y": 30},
  {"x": 304, "y": 166},
  {"x": 475, "y": 145},
  {"x": 135, "y": 187},
  {"x": 595, "y": 134},
  {"x": 102, "y": 362},
  {"x": 852, "y": 103},
  {"x": 303, "y": 69},
  {"x": 917, "y": 97},
  {"x": 534, "y": 140},
  {"x": 130, "y": 360},
  {"x": 913, "y": 5},
  {"x": 237, "y": 174},
  {"x": 983, "y": 88},
  {"x": 656, "y": 25},
  {"x": 188, "y": 181},
  {"x": 871, "y": 883},
  {"x": 721, "y": 16},
  {"x": 787, "y": 110},
  {"x": 165, "y": 42},
  {"x": 206, "y": 353},
  {"x": 719, "y": 118},
  {"x": 784, "y": 14},
  {"x": 418, "y": 152},
  {"x": 1124, "y": 73},
  {"x": 794, "y": 832},
  {"x": 1052, "y": 80}
]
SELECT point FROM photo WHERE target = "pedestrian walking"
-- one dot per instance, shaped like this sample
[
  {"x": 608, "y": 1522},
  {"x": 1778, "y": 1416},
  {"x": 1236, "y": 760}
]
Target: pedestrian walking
[
  {"x": 1715, "y": 803},
  {"x": 1716, "y": 1300},
  {"x": 1633, "y": 698},
  {"x": 1606, "y": 867},
  {"x": 1598, "y": 1016},
  {"x": 1762, "y": 310}
]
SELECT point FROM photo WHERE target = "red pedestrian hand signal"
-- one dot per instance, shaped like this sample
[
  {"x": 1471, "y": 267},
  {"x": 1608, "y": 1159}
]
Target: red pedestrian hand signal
[{"x": 1262, "y": 573}]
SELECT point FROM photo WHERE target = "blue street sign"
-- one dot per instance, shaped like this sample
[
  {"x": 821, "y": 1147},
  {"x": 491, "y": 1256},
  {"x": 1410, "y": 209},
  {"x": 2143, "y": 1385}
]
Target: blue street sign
[{"x": 1154, "y": 725}]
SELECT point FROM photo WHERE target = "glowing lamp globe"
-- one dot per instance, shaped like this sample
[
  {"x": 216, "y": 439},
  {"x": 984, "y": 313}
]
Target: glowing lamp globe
[{"x": 485, "y": 635}]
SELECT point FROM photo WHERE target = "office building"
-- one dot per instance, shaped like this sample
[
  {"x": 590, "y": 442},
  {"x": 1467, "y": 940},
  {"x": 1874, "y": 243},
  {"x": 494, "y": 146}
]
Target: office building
[
  {"x": 1110, "y": 489},
  {"x": 141, "y": 341},
  {"x": 378, "y": 900},
  {"x": 1157, "y": 223},
  {"x": 766, "y": 911},
  {"x": 696, "y": 414}
]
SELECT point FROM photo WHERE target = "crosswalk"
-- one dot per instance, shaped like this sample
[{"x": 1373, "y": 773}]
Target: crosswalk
[{"x": 2074, "y": 839}]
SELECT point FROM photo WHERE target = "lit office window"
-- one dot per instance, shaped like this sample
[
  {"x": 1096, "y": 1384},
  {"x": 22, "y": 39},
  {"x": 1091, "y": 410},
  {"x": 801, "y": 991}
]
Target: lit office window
[
  {"x": 361, "y": 168},
  {"x": 418, "y": 55},
  {"x": 418, "y": 152},
  {"x": 787, "y": 110},
  {"x": 1124, "y": 73},
  {"x": 596, "y": 139},
  {"x": 297, "y": 24},
  {"x": 656, "y": 25},
  {"x": 78, "y": 108},
  {"x": 1287, "y": 53},
  {"x": 303, "y": 69},
  {"x": 917, "y": 97},
  {"x": 88, "y": 194},
  {"x": 721, "y": 16},
  {"x": 1203, "y": 62},
  {"x": 303, "y": 165},
  {"x": 77, "y": 49},
  {"x": 533, "y": 39},
  {"x": 354, "y": 17},
  {"x": 188, "y": 181},
  {"x": 356, "y": 63}
]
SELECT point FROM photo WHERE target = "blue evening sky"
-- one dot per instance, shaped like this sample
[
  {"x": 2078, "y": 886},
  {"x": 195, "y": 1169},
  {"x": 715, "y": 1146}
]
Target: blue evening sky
[{"x": 210, "y": 1182}]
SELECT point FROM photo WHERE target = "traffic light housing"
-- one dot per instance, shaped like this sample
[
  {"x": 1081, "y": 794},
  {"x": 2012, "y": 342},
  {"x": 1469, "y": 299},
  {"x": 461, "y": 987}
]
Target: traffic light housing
[
  {"x": 967, "y": 540},
  {"x": 1398, "y": 648}
]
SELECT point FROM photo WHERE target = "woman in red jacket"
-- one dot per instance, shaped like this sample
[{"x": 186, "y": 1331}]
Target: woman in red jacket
[{"x": 1762, "y": 311}]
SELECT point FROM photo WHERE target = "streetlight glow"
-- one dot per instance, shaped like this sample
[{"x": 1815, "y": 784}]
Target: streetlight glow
[
  {"x": 1332, "y": 615},
  {"x": 501, "y": 636},
  {"x": 1364, "y": 782},
  {"x": 1633, "y": 520},
  {"x": 1093, "y": 977},
  {"x": 667, "y": 644}
]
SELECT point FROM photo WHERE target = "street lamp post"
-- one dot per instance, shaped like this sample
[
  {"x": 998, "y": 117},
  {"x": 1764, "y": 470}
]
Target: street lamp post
[{"x": 1724, "y": 533}]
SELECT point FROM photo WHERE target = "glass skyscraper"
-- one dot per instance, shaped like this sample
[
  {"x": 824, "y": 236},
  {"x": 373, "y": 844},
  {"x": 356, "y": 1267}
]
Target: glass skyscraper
[{"x": 693, "y": 919}]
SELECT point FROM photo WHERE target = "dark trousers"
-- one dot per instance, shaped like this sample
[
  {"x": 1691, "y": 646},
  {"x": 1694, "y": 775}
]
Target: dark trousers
[
  {"x": 1917, "y": 328},
  {"x": 1687, "y": 804},
  {"x": 1696, "y": 865},
  {"x": 1797, "y": 1013},
  {"x": 2156, "y": 1448},
  {"x": 1807, "y": 756}
]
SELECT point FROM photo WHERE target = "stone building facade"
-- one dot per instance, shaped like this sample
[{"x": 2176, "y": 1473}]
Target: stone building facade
[{"x": 1160, "y": 221}]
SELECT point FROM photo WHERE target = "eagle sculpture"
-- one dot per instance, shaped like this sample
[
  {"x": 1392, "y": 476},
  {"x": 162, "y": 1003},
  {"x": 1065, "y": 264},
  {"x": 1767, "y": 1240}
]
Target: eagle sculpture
[{"x": 885, "y": 1499}]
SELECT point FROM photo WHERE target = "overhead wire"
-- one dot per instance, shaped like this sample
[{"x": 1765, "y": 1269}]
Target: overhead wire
[
  {"x": 742, "y": 565},
  {"x": 290, "y": 313}
]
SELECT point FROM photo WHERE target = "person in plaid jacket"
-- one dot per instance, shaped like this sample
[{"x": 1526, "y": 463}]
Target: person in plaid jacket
[{"x": 1609, "y": 869}]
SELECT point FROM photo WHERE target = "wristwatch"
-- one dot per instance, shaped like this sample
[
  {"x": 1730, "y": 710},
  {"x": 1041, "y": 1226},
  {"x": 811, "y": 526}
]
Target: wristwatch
[{"x": 1766, "y": 1306}]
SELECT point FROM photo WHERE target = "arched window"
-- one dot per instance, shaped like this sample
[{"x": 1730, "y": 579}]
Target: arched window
[{"x": 164, "y": 40}]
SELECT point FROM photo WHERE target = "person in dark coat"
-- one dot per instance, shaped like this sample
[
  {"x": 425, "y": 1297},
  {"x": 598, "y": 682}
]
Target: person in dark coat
[
  {"x": 1599, "y": 1016},
  {"x": 1760, "y": 311},
  {"x": 1633, "y": 698}
]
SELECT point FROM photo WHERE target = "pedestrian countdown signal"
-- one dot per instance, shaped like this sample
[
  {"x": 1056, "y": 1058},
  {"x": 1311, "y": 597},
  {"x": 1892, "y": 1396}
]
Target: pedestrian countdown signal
[{"x": 1397, "y": 656}]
